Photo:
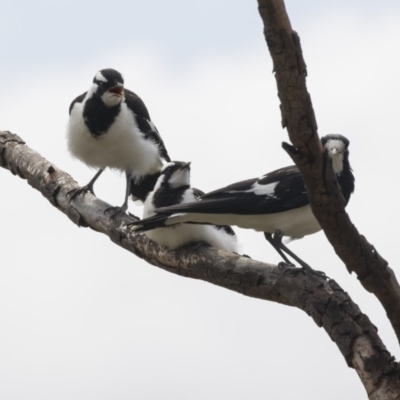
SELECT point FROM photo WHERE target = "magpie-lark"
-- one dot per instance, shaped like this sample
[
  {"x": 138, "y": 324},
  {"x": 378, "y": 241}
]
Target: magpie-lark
[
  {"x": 109, "y": 126},
  {"x": 276, "y": 203},
  {"x": 173, "y": 188}
]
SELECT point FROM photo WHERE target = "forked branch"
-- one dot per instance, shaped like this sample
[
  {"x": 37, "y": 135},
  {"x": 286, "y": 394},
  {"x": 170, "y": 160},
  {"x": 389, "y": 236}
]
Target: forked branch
[
  {"x": 326, "y": 200},
  {"x": 328, "y": 305}
]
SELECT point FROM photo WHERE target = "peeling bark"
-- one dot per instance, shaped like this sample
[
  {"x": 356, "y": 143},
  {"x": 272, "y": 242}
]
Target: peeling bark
[
  {"x": 324, "y": 192},
  {"x": 328, "y": 305}
]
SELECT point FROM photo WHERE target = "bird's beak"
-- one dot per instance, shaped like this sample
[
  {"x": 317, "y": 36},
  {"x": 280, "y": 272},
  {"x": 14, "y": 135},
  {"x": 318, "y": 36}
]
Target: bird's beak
[
  {"x": 186, "y": 165},
  {"x": 334, "y": 151},
  {"x": 117, "y": 89}
]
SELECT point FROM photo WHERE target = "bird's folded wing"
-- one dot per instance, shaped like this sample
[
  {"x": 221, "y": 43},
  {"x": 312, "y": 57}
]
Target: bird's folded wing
[
  {"x": 145, "y": 124},
  {"x": 275, "y": 192}
]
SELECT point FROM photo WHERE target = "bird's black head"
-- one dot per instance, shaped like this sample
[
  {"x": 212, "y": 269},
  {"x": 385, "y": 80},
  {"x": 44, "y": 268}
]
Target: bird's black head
[
  {"x": 336, "y": 146},
  {"x": 175, "y": 174},
  {"x": 109, "y": 85},
  {"x": 108, "y": 77},
  {"x": 335, "y": 136}
]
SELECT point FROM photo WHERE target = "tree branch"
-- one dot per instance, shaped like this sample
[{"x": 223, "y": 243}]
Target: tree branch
[
  {"x": 328, "y": 305},
  {"x": 323, "y": 190}
]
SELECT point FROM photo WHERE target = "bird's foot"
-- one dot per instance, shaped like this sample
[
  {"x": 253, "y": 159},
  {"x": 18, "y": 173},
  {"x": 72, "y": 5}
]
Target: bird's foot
[
  {"x": 115, "y": 211},
  {"x": 305, "y": 269},
  {"x": 284, "y": 266},
  {"x": 243, "y": 255},
  {"x": 77, "y": 191}
]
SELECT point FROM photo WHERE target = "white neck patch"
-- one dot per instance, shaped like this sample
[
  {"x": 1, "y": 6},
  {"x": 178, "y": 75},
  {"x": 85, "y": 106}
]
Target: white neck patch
[
  {"x": 111, "y": 99},
  {"x": 179, "y": 178},
  {"x": 159, "y": 182},
  {"x": 92, "y": 90}
]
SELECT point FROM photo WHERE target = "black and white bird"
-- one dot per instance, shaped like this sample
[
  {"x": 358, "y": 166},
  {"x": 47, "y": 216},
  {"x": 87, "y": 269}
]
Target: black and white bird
[
  {"x": 276, "y": 203},
  {"x": 173, "y": 188},
  {"x": 109, "y": 126}
]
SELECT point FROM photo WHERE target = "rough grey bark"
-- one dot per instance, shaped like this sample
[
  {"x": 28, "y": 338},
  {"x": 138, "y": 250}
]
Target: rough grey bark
[
  {"x": 327, "y": 202},
  {"x": 328, "y": 305}
]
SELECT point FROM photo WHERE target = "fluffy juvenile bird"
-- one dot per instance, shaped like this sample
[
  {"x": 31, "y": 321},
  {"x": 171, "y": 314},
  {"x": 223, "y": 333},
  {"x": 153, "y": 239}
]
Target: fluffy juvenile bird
[
  {"x": 173, "y": 188},
  {"x": 276, "y": 203},
  {"x": 109, "y": 126}
]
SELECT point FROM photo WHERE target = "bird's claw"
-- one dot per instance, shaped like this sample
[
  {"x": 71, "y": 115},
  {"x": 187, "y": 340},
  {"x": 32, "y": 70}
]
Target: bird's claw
[
  {"x": 115, "y": 211},
  {"x": 284, "y": 265},
  {"x": 77, "y": 191},
  {"x": 319, "y": 274},
  {"x": 293, "y": 271},
  {"x": 289, "y": 269},
  {"x": 243, "y": 255},
  {"x": 306, "y": 270}
]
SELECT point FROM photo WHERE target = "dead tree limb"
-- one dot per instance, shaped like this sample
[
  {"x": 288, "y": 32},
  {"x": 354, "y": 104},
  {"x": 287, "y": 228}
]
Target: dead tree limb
[
  {"x": 328, "y": 305},
  {"x": 323, "y": 190}
]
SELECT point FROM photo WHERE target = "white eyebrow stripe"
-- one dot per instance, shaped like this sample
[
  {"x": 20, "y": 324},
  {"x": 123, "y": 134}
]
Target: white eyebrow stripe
[{"x": 100, "y": 77}]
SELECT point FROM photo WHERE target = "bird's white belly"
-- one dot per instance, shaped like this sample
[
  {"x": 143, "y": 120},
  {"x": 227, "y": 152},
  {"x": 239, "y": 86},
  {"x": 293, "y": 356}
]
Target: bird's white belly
[
  {"x": 179, "y": 235},
  {"x": 122, "y": 147},
  {"x": 294, "y": 223}
]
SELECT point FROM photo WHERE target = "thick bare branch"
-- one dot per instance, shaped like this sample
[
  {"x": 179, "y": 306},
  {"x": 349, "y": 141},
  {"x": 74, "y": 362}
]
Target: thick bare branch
[
  {"x": 325, "y": 196},
  {"x": 325, "y": 302}
]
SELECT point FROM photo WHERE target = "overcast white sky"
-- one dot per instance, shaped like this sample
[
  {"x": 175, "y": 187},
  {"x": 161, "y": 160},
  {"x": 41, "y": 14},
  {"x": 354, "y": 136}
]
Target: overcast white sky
[{"x": 84, "y": 319}]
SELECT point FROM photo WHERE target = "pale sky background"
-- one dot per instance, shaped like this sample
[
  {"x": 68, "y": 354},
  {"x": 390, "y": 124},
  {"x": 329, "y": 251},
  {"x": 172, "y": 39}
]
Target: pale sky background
[{"x": 83, "y": 319}]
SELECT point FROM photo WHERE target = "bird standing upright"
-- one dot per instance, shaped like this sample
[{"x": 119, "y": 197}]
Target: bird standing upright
[
  {"x": 173, "y": 188},
  {"x": 276, "y": 203},
  {"x": 109, "y": 126}
]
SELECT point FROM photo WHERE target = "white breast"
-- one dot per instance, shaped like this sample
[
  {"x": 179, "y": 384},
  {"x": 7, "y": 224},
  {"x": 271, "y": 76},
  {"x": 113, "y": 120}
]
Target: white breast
[
  {"x": 122, "y": 147},
  {"x": 181, "y": 234}
]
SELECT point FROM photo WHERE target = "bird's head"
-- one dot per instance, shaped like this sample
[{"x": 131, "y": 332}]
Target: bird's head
[
  {"x": 336, "y": 147},
  {"x": 108, "y": 84},
  {"x": 175, "y": 174}
]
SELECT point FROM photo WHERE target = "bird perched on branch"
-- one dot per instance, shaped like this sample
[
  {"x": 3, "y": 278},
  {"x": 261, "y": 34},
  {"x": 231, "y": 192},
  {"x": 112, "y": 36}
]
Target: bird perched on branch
[
  {"x": 173, "y": 188},
  {"x": 109, "y": 126},
  {"x": 276, "y": 203}
]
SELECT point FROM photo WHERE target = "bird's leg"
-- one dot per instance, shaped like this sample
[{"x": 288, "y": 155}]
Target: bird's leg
[
  {"x": 128, "y": 191},
  {"x": 305, "y": 268},
  {"x": 87, "y": 188},
  {"x": 272, "y": 241},
  {"x": 124, "y": 207}
]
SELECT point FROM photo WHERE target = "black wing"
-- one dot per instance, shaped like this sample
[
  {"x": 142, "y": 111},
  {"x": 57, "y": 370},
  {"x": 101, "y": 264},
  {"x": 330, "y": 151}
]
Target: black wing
[
  {"x": 278, "y": 191},
  {"x": 79, "y": 99},
  {"x": 136, "y": 105}
]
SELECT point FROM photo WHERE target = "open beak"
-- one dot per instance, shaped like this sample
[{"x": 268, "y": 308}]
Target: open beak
[{"x": 117, "y": 89}]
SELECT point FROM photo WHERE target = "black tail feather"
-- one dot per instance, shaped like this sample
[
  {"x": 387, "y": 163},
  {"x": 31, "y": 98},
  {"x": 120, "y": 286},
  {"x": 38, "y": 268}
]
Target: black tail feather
[{"x": 153, "y": 222}]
